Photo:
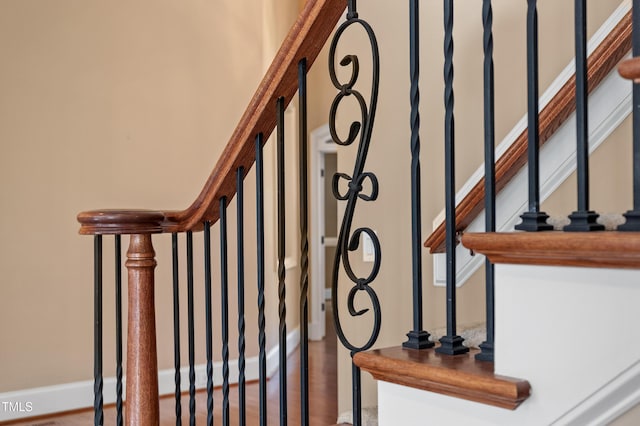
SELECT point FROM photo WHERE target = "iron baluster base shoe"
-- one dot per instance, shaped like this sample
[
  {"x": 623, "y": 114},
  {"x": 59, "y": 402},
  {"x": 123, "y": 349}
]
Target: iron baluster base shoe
[
  {"x": 632, "y": 223},
  {"x": 533, "y": 222},
  {"x": 583, "y": 221},
  {"x": 418, "y": 340},
  {"x": 452, "y": 345},
  {"x": 486, "y": 353}
]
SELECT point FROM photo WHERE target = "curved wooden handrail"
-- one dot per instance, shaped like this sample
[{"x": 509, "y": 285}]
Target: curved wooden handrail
[
  {"x": 305, "y": 40},
  {"x": 605, "y": 57}
]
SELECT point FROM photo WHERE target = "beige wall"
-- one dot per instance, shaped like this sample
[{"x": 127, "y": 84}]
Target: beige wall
[
  {"x": 106, "y": 105},
  {"x": 389, "y": 154}
]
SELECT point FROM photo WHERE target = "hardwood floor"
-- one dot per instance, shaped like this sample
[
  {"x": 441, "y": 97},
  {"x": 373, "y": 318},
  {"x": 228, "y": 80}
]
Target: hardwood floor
[{"x": 322, "y": 388}]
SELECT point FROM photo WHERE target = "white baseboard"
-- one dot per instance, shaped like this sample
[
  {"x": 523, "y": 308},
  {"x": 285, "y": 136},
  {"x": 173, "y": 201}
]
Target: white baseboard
[
  {"x": 73, "y": 396},
  {"x": 607, "y": 404}
]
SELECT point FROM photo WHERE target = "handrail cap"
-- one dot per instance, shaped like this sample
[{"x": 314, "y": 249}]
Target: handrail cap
[
  {"x": 630, "y": 69},
  {"x": 113, "y": 222}
]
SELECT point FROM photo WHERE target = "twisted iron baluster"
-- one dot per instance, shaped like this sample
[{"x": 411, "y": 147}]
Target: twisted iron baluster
[
  {"x": 262, "y": 356},
  {"x": 118, "y": 264},
  {"x": 208, "y": 320},
  {"x": 191, "y": 330},
  {"x": 451, "y": 344},
  {"x": 418, "y": 338},
  {"x": 176, "y": 328},
  {"x": 98, "y": 414},
  {"x": 304, "y": 244},
  {"x": 486, "y": 347},
  {"x": 282, "y": 307},
  {"x": 241, "y": 320},
  {"x": 348, "y": 240},
  {"x": 224, "y": 302}
]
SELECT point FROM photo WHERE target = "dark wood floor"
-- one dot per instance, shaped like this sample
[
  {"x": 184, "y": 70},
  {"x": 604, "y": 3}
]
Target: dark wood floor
[{"x": 322, "y": 388}]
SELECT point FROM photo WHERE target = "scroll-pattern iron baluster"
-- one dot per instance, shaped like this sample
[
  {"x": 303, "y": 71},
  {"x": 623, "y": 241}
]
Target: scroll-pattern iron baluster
[{"x": 348, "y": 240}]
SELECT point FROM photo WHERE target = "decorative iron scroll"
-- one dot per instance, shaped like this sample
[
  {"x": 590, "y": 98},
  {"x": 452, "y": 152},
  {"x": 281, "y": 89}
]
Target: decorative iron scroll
[{"x": 348, "y": 240}]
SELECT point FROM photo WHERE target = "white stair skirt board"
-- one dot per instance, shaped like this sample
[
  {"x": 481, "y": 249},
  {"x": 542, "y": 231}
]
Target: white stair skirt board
[
  {"x": 609, "y": 105},
  {"x": 78, "y": 395},
  {"x": 569, "y": 331}
]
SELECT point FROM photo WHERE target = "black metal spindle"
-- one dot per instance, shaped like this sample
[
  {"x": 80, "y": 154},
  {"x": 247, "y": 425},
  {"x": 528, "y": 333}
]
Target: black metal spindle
[
  {"x": 118, "y": 276},
  {"x": 451, "y": 344},
  {"x": 224, "y": 310},
  {"x": 348, "y": 240},
  {"x": 176, "y": 327},
  {"x": 417, "y": 337},
  {"x": 191, "y": 331},
  {"x": 208, "y": 320},
  {"x": 262, "y": 354},
  {"x": 632, "y": 222},
  {"x": 534, "y": 219},
  {"x": 352, "y": 11},
  {"x": 242, "y": 415},
  {"x": 282, "y": 308},
  {"x": 304, "y": 244},
  {"x": 582, "y": 219},
  {"x": 98, "y": 415},
  {"x": 486, "y": 347}
]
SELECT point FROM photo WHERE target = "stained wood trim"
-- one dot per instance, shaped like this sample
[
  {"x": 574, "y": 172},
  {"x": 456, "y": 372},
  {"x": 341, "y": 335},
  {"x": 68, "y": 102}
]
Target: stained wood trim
[
  {"x": 106, "y": 222},
  {"x": 604, "y": 58},
  {"x": 556, "y": 248},
  {"x": 630, "y": 69},
  {"x": 460, "y": 376},
  {"x": 305, "y": 40}
]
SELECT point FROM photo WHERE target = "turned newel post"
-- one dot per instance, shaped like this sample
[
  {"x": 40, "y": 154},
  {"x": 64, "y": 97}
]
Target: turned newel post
[{"x": 142, "y": 360}]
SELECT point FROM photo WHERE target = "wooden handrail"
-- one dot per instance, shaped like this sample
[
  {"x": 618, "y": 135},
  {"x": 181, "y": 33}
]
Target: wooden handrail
[
  {"x": 612, "y": 49},
  {"x": 305, "y": 40}
]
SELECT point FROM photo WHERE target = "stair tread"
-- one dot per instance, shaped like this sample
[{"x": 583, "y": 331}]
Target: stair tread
[
  {"x": 458, "y": 376},
  {"x": 602, "y": 249}
]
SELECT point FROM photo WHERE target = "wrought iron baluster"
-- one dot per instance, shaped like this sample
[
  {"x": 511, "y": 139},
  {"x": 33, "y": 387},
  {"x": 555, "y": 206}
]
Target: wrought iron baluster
[
  {"x": 224, "y": 300},
  {"x": 262, "y": 355},
  {"x": 98, "y": 415},
  {"x": 191, "y": 331},
  {"x": 208, "y": 320},
  {"x": 118, "y": 276},
  {"x": 582, "y": 219},
  {"x": 451, "y": 344},
  {"x": 534, "y": 219},
  {"x": 348, "y": 239},
  {"x": 632, "y": 222},
  {"x": 304, "y": 244},
  {"x": 176, "y": 327},
  {"x": 282, "y": 308},
  {"x": 486, "y": 347},
  {"x": 241, "y": 320},
  {"x": 417, "y": 338}
]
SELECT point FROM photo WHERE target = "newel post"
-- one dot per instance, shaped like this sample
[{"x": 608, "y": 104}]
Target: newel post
[
  {"x": 142, "y": 360},
  {"x": 142, "y": 408}
]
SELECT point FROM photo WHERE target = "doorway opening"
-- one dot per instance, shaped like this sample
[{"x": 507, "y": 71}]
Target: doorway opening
[{"x": 324, "y": 223}]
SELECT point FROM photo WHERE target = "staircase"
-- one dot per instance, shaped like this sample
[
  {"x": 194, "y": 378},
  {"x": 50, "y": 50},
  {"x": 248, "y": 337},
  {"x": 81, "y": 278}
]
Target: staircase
[{"x": 538, "y": 364}]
